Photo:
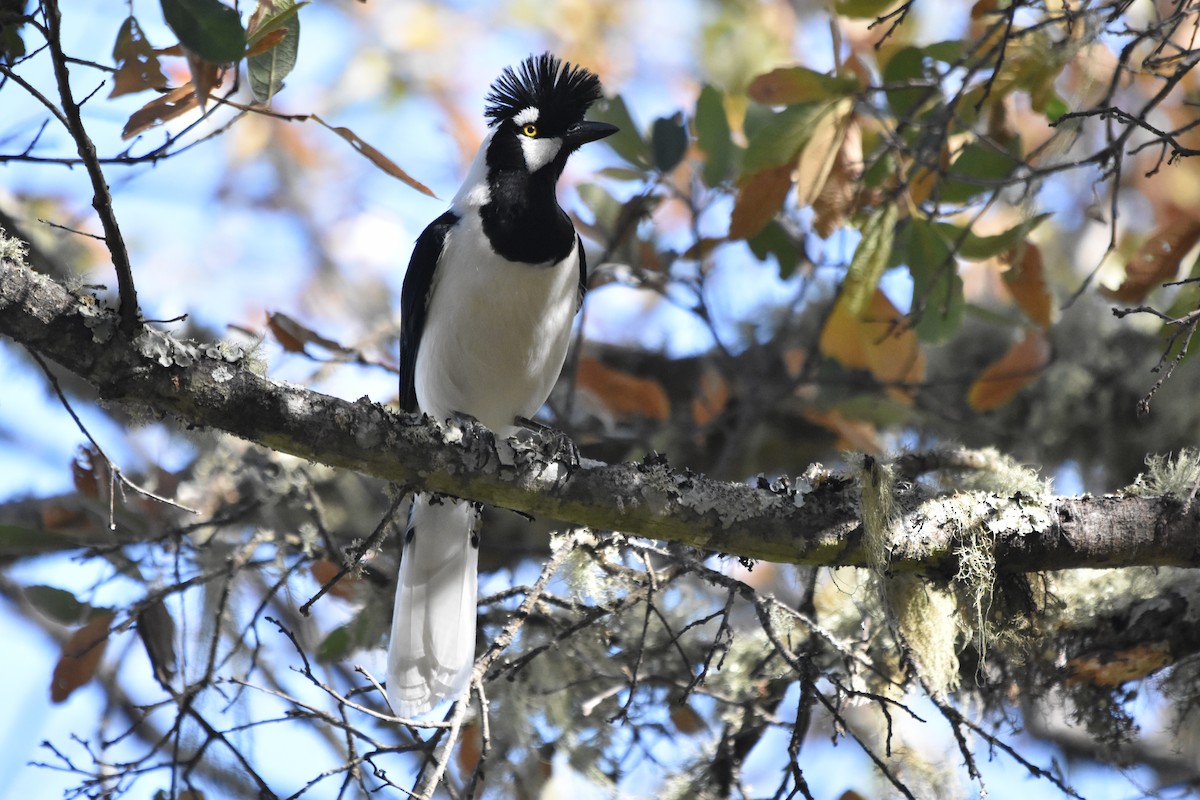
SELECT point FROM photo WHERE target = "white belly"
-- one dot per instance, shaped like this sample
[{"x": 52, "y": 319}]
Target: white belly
[{"x": 495, "y": 334}]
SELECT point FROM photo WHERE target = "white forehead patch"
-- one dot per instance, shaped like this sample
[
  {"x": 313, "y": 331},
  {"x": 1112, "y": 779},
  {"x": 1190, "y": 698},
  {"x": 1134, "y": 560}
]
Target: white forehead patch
[
  {"x": 539, "y": 152},
  {"x": 526, "y": 116}
]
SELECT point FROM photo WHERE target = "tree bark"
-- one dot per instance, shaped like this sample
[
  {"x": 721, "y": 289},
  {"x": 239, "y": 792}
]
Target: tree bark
[{"x": 814, "y": 520}]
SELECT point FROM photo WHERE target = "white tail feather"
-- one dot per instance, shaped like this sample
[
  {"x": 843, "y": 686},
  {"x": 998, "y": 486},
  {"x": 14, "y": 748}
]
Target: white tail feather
[{"x": 432, "y": 647}]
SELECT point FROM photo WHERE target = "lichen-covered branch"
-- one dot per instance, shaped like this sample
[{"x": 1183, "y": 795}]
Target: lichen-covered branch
[{"x": 814, "y": 520}]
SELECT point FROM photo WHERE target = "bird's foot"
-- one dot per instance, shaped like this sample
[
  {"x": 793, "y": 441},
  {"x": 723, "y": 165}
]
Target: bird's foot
[{"x": 559, "y": 445}]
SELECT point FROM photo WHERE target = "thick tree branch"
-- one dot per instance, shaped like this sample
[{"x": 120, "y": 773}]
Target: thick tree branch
[{"x": 813, "y": 523}]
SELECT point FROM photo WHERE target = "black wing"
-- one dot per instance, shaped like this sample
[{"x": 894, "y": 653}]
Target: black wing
[
  {"x": 414, "y": 301},
  {"x": 583, "y": 276}
]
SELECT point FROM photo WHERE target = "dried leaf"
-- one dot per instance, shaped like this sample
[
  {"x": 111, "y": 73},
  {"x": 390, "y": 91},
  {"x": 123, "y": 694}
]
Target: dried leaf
[
  {"x": 470, "y": 748},
  {"x": 137, "y": 64},
  {"x": 206, "y": 76},
  {"x": 1025, "y": 280},
  {"x": 686, "y": 720},
  {"x": 819, "y": 154},
  {"x": 758, "y": 200},
  {"x": 792, "y": 85},
  {"x": 293, "y": 336},
  {"x": 878, "y": 341},
  {"x": 173, "y": 104},
  {"x": 832, "y": 205},
  {"x": 1115, "y": 668},
  {"x": 80, "y": 656},
  {"x": 323, "y": 571},
  {"x": 621, "y": 393},
  {"x": 712, "y": 396},
  {"x": 1157, "y": 260},
  {"x": 857, "y": 435},
  {"x": 997, "y": 385},
  {"x": 377, "y": 158}
]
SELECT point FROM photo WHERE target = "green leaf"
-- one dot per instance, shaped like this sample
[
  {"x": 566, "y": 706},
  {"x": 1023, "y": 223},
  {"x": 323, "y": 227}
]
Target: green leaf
[
  {"x": 668, "y": 141},
  {"x": 870, "y": 258},
  {"x": 788, "y": 86},
  {"x": 774, "y": 240},
  {"x": 907, "y": 82},
  {"x": 978, "y": 248},
  {"x": 862, "y": 9},
  {"x": 57, "y": 604},
  {"x": 208, "y": 28},
  {"x": 978, "y": 167},
  {"x": 780, "y": 140},
  {"x": 627, "y": 142},
  {"x": 267, "y": 70},
  {"x": 713, "y": 136},
  {"x": 336, "y": 645},
  {"x": 938, "y": 302}
]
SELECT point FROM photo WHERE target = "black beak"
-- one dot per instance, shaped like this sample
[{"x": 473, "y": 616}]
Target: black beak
[{"x": 588, "y": 131}]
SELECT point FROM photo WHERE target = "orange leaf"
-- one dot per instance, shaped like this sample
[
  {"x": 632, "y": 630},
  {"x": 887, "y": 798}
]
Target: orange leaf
[
  {"x": 1025, "y": 279},
  {"x": 1113, "y": 669},
  {"x": 80, "y": 656},
  {"x": 293, "y": 336},
  {"x": 323, "y": 571},
  {"x": 377, "y": 158},
  {"x": 269, "y": 41},
  {"x": 711, "y": 398},
  {"x": 1157, "y": 260},
  {"x": 1016, "y": 369},
  {"x": 621, "y": 393},
  {"x": 470, "y": 748},
  {"x": 759, "y": 200},
  {"x": 161, "y": 109},
  {"x": 853, "y": 434},
  {"x": 878, "y": 341}
]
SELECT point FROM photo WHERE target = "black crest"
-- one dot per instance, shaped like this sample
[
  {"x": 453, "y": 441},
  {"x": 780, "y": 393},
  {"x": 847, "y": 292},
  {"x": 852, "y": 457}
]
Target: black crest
[{"x": 560, "y": 91}]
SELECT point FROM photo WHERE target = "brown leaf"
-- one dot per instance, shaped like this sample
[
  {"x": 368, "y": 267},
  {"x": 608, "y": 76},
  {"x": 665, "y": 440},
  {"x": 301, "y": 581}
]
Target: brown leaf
[
  {"x": 268, "y": 41},
  {"x": 1157, "y": 260},
  {"x": 685, "y": 719},
  {"x": 621, "y": 393},
  {"x": 161, "y": 109},
  {"x": 293, "y": 336},
  {"x": 470, "y": 748},
  {"x": 758, "y": 201},
  {"x": 1025, "y": 280},
  {"x": 323, "y": 571},
  {"x": 712, "y": 396},
  {"x": 137, "y": 64},
  {"x": 858, "y": 435},
  {"x": 821, "y": 152},
  {"x": 832, "y": 206},
  {"x": 206, "y": 76},
  {"x": 1115, "y": 668},
  {"x": 80, "y": 656},
  {"x": 377, "y": 158},
  {"x": 997, "y": 385},
  {"x": 877, "y": 341}
]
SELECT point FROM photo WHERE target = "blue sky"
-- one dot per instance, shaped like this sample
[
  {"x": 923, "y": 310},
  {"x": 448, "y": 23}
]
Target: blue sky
[{"x": 195, "y": 254}]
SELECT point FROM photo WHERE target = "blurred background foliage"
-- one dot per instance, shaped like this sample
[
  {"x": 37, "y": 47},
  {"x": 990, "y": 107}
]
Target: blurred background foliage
[{"x": 859, "y": 225}]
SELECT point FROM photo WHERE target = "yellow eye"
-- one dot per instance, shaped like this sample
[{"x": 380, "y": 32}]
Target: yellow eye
[{"x": 529, "y": 130}]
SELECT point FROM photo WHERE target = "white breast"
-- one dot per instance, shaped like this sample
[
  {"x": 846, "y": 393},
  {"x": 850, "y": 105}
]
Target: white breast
[{"x": 496, "y": 333}]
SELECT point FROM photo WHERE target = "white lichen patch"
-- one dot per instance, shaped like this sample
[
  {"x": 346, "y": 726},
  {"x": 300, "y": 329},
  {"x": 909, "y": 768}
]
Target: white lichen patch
[
  {"x": 162, "y": 348},
  {"x": 222, "y": 374},
  {"x": 1174, "y": 476}
]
